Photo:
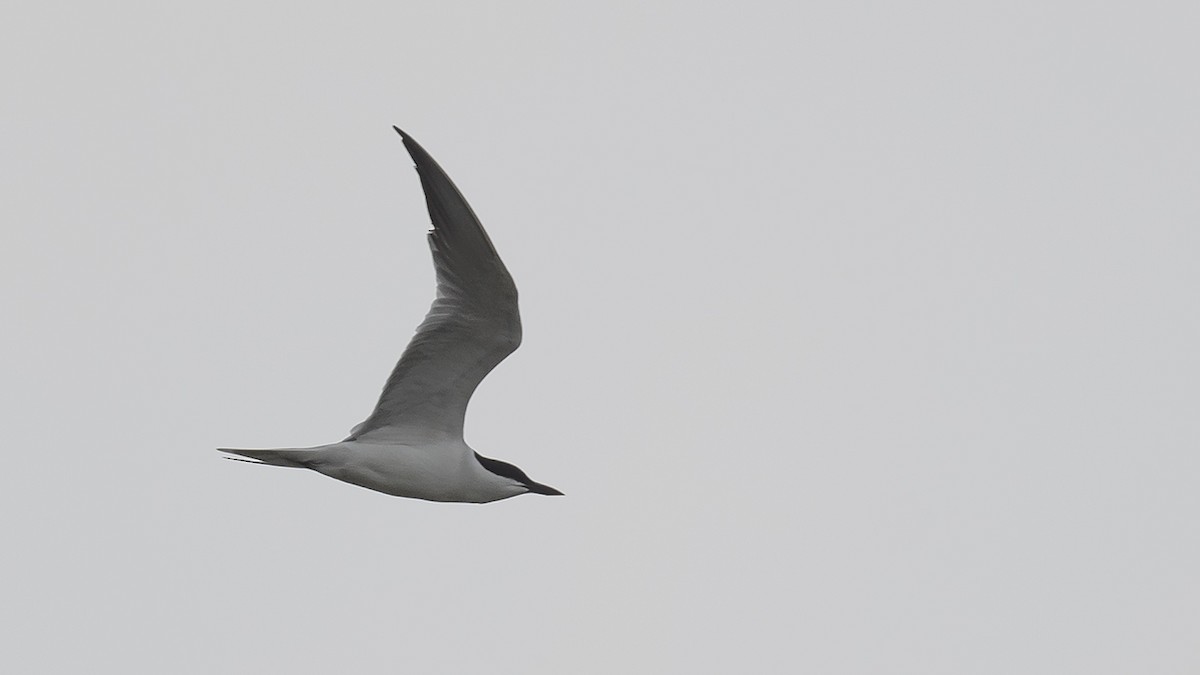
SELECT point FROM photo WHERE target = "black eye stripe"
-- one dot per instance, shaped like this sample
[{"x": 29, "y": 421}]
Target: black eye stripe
[{"x": 503, "y": 469}]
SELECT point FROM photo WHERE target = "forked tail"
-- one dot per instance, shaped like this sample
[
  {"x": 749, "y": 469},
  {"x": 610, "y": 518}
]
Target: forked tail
[{"x": 289, "y": 457}]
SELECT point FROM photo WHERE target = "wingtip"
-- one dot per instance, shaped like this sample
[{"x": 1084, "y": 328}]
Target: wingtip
[{"x": 419, "y": 155}]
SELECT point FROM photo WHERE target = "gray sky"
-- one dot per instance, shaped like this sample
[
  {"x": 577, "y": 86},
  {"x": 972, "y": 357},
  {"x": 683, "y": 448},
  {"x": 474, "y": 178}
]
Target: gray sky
[{"x": 861, "y": 336}]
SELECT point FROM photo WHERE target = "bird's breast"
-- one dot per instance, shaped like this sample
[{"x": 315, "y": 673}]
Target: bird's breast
[{"x": 436, "y": 472}]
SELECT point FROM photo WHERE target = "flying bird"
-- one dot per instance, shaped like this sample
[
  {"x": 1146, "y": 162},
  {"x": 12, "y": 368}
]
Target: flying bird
[{"x": 412, "y": 443}]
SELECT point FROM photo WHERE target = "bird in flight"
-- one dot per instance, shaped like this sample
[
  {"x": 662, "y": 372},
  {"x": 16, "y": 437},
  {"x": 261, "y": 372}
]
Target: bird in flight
[{"x": 412, "y": 443}]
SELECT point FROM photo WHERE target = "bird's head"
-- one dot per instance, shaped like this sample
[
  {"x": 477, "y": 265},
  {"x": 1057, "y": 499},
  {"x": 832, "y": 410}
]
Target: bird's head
[{"x": 514, "y": 473}]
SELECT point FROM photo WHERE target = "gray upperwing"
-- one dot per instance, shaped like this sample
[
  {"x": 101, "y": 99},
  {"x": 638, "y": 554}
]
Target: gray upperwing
[{"x": 472, "y": 326}]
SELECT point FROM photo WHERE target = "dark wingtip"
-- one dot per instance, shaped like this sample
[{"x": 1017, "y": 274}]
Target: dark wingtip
[
  {"x": 408, "y": 140},
  {"x": 418, "y": 153}
]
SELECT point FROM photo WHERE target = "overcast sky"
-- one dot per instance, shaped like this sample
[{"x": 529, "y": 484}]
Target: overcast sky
[{"x": 862, "y": 337}]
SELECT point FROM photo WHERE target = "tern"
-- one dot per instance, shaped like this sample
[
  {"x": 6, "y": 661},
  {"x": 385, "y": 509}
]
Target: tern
[{"x": 412, "y": 443}]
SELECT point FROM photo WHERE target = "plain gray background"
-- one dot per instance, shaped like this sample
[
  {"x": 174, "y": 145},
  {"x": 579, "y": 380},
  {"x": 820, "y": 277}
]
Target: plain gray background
[{"x": 861, "y": 336}]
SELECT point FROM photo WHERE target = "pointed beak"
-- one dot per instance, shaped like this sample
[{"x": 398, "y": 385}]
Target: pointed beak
[{"x": 539, "y": 489}]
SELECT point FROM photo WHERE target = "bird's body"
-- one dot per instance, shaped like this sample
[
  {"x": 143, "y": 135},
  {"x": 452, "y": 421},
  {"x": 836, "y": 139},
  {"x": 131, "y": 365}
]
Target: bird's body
[
  {"x": 437, "y": 470},
  {"x": 412, "y": 445}
]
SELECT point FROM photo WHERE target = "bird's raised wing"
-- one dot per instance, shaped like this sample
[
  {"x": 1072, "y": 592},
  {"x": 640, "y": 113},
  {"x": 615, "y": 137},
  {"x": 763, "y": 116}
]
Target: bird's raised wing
[{"x": 472, "y": 326}]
